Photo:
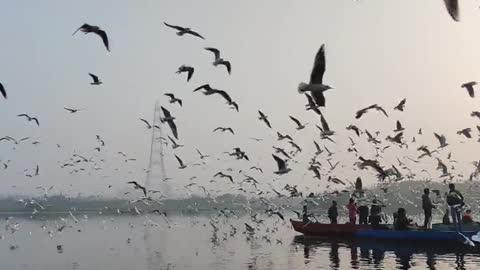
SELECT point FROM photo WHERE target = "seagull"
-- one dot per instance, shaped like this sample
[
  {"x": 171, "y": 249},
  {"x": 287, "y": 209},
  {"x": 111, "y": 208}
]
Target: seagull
[
  {"x": 96, "y": 80},
  {"x": 300, "y": 126},
  {"x": 210, "y": 91},
  {"x": 86, "y": 28},
  {"x": 183, "y": 30},
  {"x": 174, "y": 143},
  {"x": 222, "y": 175},
  {"x": 354, "y": 128},
  {"x": 138, "y": 186},
  {"x": 256, "y": 168},
  {"x": 182, "y": 166},
  {"x": 281, "y": 151},
  {"x": 223, "y": 129},
  {"x": 148, "y": 124},
  {"x": 399, "y": 127},
  {"x": 452, "y": 8},
  {"x": 316, "y": 86},
  {"x": 475, "y": 114},
  {"x": 364, "y": 110},
  {"x": 29, "y": 118},
  {"x": 37, "y": 171},
  {"x": 466, "y": 132},
  {"x": 187, "y": 69},
  {"x": 3, "y": 91},
  {"x": 396, "y": 139},
  {"x": 264, "y": 118},
  {"x": 401, "y": 105},
  {"x": 469, "y": 87},
  {"x": 293, "y": 144},
  {"x": 219, "y": 60},
  {"x": 441, "y": 166},
  {"x": 441, "y": 139},
  {"x": 201, "y": 155},
  {"x": 173, "y": 99},
  {"x": 318, "y": 149},
  {"x": 72, "y": 110},
  {"x": 282, "y": 165},
  {"x": 167, "y": 117},
  {"x": 325, "y": 131},
  {"x": 283, "y": 137}
]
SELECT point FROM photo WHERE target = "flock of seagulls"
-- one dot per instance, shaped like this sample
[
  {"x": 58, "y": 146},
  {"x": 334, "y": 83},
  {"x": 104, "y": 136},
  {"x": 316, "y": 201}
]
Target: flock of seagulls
[{"x": 324, "y": 162}]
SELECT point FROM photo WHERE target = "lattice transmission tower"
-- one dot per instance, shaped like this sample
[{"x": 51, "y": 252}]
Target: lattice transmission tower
[{"x": 156, "y": 166}]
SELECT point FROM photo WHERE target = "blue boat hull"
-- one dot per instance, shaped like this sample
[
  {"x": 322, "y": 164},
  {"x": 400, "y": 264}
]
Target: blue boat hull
[{"x": 413, "y": 235}]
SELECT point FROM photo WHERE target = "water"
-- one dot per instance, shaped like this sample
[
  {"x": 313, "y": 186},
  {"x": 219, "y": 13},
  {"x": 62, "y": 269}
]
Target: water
[{"x": 190, "y": 242}]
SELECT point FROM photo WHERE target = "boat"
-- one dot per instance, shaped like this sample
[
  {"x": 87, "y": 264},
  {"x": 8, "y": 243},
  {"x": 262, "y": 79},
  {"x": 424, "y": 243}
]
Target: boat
[
  {"x": 415, "y": 235},
  {"x": 316, "y": 228}
]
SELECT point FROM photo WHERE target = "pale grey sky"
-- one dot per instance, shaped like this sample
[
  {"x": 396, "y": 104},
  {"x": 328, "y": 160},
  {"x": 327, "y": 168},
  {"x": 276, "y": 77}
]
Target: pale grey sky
[{"x": 376, "y": 52}]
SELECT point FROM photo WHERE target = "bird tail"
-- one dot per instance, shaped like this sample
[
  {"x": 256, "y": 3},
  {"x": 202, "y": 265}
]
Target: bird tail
[{"x": 302, "y": 87}]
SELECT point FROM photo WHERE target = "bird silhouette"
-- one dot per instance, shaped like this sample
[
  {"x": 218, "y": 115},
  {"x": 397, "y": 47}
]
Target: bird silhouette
[{"x": 86, "y": 28}]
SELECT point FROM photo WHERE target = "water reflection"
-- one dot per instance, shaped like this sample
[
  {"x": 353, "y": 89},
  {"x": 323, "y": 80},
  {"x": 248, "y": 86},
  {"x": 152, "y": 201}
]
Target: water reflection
[{"x": 373, "y": 254}]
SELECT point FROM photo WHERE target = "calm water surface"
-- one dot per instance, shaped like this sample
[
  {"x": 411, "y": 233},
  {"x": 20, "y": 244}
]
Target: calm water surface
[{"x": 191, "y": 242}]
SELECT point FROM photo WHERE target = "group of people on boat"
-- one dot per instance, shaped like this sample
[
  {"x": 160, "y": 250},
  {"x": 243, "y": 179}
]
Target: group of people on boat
[{"x": 374, "y": 215}]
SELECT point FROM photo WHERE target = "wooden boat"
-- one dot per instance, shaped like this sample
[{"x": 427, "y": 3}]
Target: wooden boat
[
  {"x": 315, "y": 228},
  {"x": 414, "y": 235}
]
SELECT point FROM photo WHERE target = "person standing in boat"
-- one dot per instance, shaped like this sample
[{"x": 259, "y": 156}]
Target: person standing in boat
[
  {"x": 375, "y": 214},
  {"x": 305, "y": 215},
  {"x": 402, "y": 222},
  {"x": 333, "y": 213},
  {"x": 363, "y": 214},
  {"x": 455, "y": 202},
  {"x": 427, "y": 208},
  {"x": 352, "y": 211}
]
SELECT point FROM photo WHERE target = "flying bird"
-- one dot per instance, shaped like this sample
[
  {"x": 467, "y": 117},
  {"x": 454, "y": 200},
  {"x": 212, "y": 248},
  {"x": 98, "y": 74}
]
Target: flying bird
[
  {"x": 452, "y": 8},
  {"x": 72, "y": 110},
  {"x": 365, "y": 110},
  {"x": 264, "y": 118},
  {"x": 281, "y": 164},
  {"x": 219, "y": 60},
  {"x": 202, "y": 156},
  {"x": 183, "y": 30},
  {"x": 138, "y": 186},
  {"x": 148, "y": 124},
  {"x": 29, "y": 118},
  {"x": 300, "y": 126},
  {"x": 469, "y": 87},
  {"x": 167, "y": 117},
  {"x": 182, "y": 166},
  {"x": 401, "y": 105},
  {"x": 96, "y": 80},
  {"x": 223, "y": 129},
  {"x": 316, "y": 86},
  {"x": 399, "y": 127},
  {"x": 355, "y": 129},
  {"x": 222, "y": 175},
  {"x": 175, "y": 145},
  {"x": 465, "y": 132},
  {"x": 3, "y": 91},
  {"x": 86, "y": 28},
  {"x": 325, "y": 131},
  {"x": 187, "y": 69},
  {"x": 281, "y": 137},
  {"x": 311, "y": 104},
  {"x": 441, "y": 139},
  {"x": 173, "y": 99}
]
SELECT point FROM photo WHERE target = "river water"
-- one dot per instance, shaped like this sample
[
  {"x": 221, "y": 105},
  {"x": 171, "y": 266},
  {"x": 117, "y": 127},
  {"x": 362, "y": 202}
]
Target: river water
[{"x": 202, "y": 242}]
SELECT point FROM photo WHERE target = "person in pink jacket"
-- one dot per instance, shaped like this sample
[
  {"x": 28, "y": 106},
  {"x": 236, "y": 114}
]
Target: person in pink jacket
[{"x": 352, "y": 211}]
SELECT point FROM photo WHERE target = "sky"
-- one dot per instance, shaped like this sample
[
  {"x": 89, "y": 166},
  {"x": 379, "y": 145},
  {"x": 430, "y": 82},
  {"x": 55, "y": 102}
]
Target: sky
[{"x": 376, "y": 52}]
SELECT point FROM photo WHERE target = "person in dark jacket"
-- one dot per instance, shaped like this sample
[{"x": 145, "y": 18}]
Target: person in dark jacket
[
  {"x": 375, "y": 214},
  {"x": 455, "y": 201},
  {"x": 427, "y": 209},
  {"x": 333, "y": 213},
  {"x": 363, "y": 214},
  {"x": 401, "y": 221}
]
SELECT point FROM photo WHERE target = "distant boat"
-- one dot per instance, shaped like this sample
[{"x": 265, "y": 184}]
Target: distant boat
[{"x": 315, "y": 228}]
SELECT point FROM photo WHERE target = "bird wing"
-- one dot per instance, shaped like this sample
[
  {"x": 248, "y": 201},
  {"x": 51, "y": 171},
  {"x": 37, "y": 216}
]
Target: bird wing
[
  {"x": 319, "y": 98},
  {"x": 316, "y": 77},
  {"x": 190, "y": 73},
  {"x": 193, "y": 33},
  {"x": 173, "y": 127},
  {"x": 146, "y": 122},
  {"x": 452, "y": 8},
  {"x": 36, "y": 120},
  {"x": 295, "y": 120},
  {"x": 94, "y": 77},
  {"x": 231, "y": 130},
  {"x": 228, "y": 66},
  {"x": 215, "y": 51},
  {"x": 104, "y": 37},
  {"x": 399, "y": 125},
  {"x": 179, "y": 160},
  {"x": 179, "y": 28},
  {"x": 170, "y": 95},
  {"x": 166, "y": 113},
  {"x": 2, "y": 90},
  {"x": 317, "y": 146},
  {"x": 280, "y": 162},
  {"x": 172, "y": 140},
  {"x": 224, "y": 95},
  {"x": 325, "y": 126},
  {"x": 205, "y": 86}
]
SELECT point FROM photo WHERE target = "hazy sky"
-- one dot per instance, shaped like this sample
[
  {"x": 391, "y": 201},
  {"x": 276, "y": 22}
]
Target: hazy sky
[{"x": 376, "y": 52}]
